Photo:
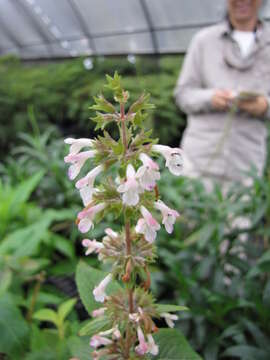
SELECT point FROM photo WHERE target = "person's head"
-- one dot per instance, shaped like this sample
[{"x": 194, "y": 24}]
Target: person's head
[{"x": 243, "y": 13}]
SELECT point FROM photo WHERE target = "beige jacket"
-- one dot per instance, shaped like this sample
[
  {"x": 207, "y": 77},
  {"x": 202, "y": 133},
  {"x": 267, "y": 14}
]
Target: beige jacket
[{"x": 214, "y": 62}]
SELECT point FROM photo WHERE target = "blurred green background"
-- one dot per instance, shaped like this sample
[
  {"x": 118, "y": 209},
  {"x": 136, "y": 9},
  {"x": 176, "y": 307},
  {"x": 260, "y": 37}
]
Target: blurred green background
[{"x": 204, "y": 264}]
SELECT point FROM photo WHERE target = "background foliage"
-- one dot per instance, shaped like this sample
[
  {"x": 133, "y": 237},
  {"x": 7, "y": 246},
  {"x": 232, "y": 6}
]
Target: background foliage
[
  {"x": 60, "y": 94},
  {"x": 228, "y": 292}
]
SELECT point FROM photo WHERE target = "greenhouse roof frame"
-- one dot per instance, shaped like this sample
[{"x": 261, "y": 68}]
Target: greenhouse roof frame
[{"x": 45, "y": 29}]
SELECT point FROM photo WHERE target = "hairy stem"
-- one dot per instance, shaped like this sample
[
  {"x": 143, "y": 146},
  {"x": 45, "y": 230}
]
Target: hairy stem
[
  {"x": 127, "y": 238},
  {"x": 130, "y": 290},
  {"x": 123, "y": 125}
]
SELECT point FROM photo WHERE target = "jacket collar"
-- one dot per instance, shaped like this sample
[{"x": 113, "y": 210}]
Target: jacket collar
[{"x": 261, "y": 31}]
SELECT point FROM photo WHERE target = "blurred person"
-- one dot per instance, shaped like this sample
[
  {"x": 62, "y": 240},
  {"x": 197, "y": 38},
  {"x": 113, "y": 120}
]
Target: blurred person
[{"x": 222, "y": 61}]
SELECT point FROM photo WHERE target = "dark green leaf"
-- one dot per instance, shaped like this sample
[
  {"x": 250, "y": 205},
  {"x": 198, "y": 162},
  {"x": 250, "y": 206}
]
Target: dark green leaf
[
  {"x": 13, "y": 328},
  {"x": 47, "y": 315},
  {"x": 173, "y": 346},
  {"x": 65, "y": 308},
  {"x": 80, "y": 348},
  {"x": 161, "y": 308},
  {"x": 87, "y": 278},
  {"x": 245, "y": 352},
  {"x": 95, "y": 326},
  {"x": 201, "y": 236}
]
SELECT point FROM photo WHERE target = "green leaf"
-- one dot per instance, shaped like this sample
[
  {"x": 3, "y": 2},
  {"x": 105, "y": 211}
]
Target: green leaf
[
  {"x": 45, "y": 345},
  {"x": 87, "y": 278},
  {"x": 266, "y": 294},
  {"x": 65, "y": 308},
  {"x": 13, "y": 328},
  {"x": 103, "y": 105},
  {"x": 161, "y": 308},
  {"x": 113, "y": 83},
  {"x": 25, "y": 189},
  {"x": 63, "y": 245},
  {"x": 79, "y": 347},
  {"x": 264, "y": 261},
  {"x": 47, "y": 315},
  {"x": 45, "y": 354},
  {"x": 201, "y": 236},
  {"x": 141, "y": 104},
  {"x": 173, "y": 346},
  {"x": 25, "y": 241},
  {"x": 260, "y": 338},
  {"x": 5, "y": 280},
  {"x": 94, "y": 326},
  {"x": 246, "y": 352}
]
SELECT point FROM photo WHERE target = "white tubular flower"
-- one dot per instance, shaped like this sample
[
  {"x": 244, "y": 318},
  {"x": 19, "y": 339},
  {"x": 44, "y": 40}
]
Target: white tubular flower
[
  {"x": 134, "y": 317},
  {"x": 92, "y": 246},
  {"x": 142, "y": 348},
  {"x": 78, "y": 144},
  {"x": 112, "y": 234},
  {"x": 169, "y": 318},
  {"x": 77, "y": 161},
  {"x": 87, "y": 216},
  {"x": 99, "y": 291},
  {"x": 148, "y": 225},
  {"x": 148, "y": 173},
  {"x": 168, "y": 215},
  {"x": 152, "y": 346},
  {"x": 99, "y": 312},
  {"x": 173, "y": 157},
  {"x": 130, "y": 188},
  {"x": 98, "y": 340},
  {"x": 116, "y": 333},
  {"x": 86, "y": 184}
]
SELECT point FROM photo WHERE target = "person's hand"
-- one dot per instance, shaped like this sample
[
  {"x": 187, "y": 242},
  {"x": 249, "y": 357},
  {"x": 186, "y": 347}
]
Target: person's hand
[
  {"x": 221, "y": 99},
  {"x": 256, "y": 107}
]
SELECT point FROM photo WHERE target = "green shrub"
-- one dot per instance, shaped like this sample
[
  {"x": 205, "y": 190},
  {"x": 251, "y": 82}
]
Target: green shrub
[
  {"x": 60, "y": 94},
  {"x": 227, "y": 290}
]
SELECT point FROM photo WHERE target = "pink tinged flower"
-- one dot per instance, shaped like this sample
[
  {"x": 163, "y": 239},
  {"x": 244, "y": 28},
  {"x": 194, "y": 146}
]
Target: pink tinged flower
[
  {"x": 99, "y": 312},
  {"x": 86, "y": 194},
  {"x": 86, "y": 184},
  {"x": 78, "y": 144},
  {"x": 116, "y": 333},
  {"x": 134, "y": 317},
  {"x": 87, "y": 216},
  {"x": 148, "y": 173},
  {"x": 92, "y": 246},
  {"x": 169, "y": 318},
  {"x": 112, "y": 234},
  {"x": 98, "y": 340},
  {"x": 168, "y": 215},
  {"x": 99, "y": 291},
  {"x": 77, "y": 161},
  {"x": 152, "y": 346},
  {"x": 148, "y": 226},
  {"x": 130, "y": 188},
  {"x": 142, "y": 348},
  {"x": 173, "y": 157}
]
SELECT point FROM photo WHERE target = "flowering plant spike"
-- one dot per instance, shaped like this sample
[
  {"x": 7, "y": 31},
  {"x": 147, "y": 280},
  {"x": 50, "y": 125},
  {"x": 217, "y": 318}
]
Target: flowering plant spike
[{"x": 122, "y": 179}]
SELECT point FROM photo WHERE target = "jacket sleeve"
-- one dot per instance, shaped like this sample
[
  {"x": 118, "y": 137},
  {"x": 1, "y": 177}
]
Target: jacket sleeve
[{"x": 189, "y": 93}]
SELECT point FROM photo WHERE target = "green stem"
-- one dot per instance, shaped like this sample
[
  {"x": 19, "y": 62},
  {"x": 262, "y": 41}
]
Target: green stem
[
  {"x": 130, "y": 290},
  {"x": 127, "y": 238},
  {"x": 40, "y": 279},
  {"x": 61, "y": 330},
  {"x": 123, "y": 125}
]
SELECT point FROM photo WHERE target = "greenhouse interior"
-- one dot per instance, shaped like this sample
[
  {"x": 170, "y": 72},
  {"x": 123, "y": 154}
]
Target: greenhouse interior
[{"x": 135, "y": 180}]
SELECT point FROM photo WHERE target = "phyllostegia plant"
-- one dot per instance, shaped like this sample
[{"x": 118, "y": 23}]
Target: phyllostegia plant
[{"x": 127, "y": 187}]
